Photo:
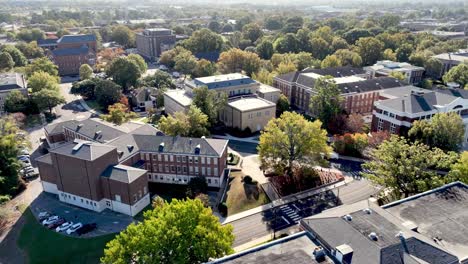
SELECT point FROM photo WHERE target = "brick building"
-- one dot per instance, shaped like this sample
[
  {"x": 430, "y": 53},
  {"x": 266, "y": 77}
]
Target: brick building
[
  {"x": 413, "y": 74},
  {"x": 11, "y": 82},
  {"x": 109, "y": 168},
  {"x": 359, "y": 92},
  {"x": 398, "y": 109},
  {"x": 72, "y": 51},
  {"x": 154, "y": 41}
]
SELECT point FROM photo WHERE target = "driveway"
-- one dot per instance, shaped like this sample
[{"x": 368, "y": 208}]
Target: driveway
[{"x": 107, "y": 221}]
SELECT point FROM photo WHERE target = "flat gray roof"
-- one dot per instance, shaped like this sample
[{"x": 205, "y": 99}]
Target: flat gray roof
[
  {"x": 295, "y": 249},
  {"x": 250, "y": 103},
  {"x": 179, "y": 96}
]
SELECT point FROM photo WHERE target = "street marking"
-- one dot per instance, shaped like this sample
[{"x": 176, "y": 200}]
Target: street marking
[
  {"x": 285, "y": 220},
  {"x": 296, "y": 207}
]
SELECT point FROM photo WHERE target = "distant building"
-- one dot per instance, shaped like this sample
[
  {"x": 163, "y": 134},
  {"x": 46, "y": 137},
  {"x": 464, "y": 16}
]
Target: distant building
[
  {"x": 399, "y": 108},
  {"x": 250, "y": 104},
  {"x": 144, "y": 98},
  {"x": 47, "y": 44},
  {"x": 359, "y": 92},
  {"x": 72, "y": 51},
  {"x": 154, "y": 41},
  {"x": 413, "y": 74},
  {"x": 11, "y": 82},
  {"x": 100, "y": 166},
  {"x": 451, "y": 59}
]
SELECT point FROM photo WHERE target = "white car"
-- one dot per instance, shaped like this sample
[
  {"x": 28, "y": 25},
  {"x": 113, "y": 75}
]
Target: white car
[
  {"x": 64, "y": 226},
  {"x": 74, "y": 227},
  {"x": 24, "y": 152},
  {"x": 50, "y": 220}
]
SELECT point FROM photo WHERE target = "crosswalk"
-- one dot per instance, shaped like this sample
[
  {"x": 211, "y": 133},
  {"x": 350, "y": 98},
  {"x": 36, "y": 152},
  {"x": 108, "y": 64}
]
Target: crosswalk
[{"x": 286, "y": 209}]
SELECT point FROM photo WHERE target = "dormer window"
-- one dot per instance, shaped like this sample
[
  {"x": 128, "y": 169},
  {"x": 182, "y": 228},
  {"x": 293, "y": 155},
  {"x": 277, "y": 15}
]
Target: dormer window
[
  {"x": 161, "y": 147},
  {"x": 197, "y": 149}
]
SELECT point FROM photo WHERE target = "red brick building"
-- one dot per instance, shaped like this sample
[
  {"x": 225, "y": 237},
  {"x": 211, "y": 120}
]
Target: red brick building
[{"x": 72, "y": 51}]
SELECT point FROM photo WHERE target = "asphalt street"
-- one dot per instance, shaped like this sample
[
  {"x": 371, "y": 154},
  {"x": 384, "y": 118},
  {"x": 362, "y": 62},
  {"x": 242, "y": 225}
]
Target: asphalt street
[{"x": 288, "y": 215}]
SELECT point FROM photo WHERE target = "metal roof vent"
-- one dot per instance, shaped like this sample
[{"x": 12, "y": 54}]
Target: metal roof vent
[
  {"x": 130, "y": 148},
  {"x": 348, "y": 217},
  {"x": 120, "y": 153},
  {"x": 319, "y": 254},
  {"x": 373, "y": 236},
  {"x": 79, "y": 126},
  {"x": 367, "y": 211}
]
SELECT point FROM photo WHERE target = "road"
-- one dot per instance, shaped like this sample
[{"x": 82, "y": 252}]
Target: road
[{"x": 288, "y": 215}]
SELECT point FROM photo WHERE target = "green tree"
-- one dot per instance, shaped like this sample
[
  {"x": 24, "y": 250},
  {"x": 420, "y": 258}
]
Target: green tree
[
  {"x": 326, "y": 103},
  {"x": 287, "y": 43},
  {"x": 41, "y": 64},
  {"x": 443, "y": 130},
  {"x": 264, "y": 76},
  {"x": 85, "y": 88},
  {"x": 214, "y": 26},
  {"x": 252, "y": 32},
  {"x": 107, "y": 93},
  {"x": 185, "y": 63},
  {"x": 47, "y": 99},
  {"x": 265, "y": 49},
  {"x": 16, "y": 101},
  {"x": 204, "y": 68},
  {"x": 303, "y": 60},
  {"x": 388, "y": 54},
  {"x": 118, "y": 114},
  {"x": 209, "y": 102},
  {"x": 6, "y": 62},
  {"x": 433, "y": 67},
  {"x": 18, "y": 57},
  {"x": 30, "y": 50},
  {"x": 370, "y": 49},
  {"x": 282, "y": 105},
  {"x": 203, "y": 40},
  {"x": 193, "y": 124},
  {"x": 139, "y": 61},
  {"x": 236, "y": 60},
  {"x": 124, "y": 72},
  {"x": 293, "y": 24},
  {"x": 398, "y": 75},
  {"x": 124, "y": 36},
  {"x": 177, "y": 232},
  {"x": 290, "y": 141},
  {"x": 86, "y": 72},
  {"x": 43, "y": 81},
  {"x": 348, "y": 58},
  {"x": 459, "y": 171},
  {"x": 159, "y": 79},
  {"x": 331, "y": 61},
  {"x": 403, "y": 52},
  {"x": 286, "y": 67},
  {"x": 320, "y": 48},
  {"x": 404, "y": 167},
  {"x": 355, "y": 34},
  {"x": 457, "y": 74},
  {"x": 273, "y": 22}
]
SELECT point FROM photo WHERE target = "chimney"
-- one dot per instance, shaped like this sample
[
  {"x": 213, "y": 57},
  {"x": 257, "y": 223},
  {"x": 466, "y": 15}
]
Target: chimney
[
  {"x": 344, "y": 254},
  {"x": 319, "y": 254}
]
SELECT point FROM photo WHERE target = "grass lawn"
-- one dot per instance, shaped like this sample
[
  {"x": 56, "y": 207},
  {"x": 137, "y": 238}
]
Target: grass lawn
[
  {"x": 94, "y": 105},
  {"x": 45, "y": 246},
  {"x": 241, "y": 196}
]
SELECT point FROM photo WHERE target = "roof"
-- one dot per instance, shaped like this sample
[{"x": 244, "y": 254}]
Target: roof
[
  {"x": 267, "y": 89},
  {"x": 389, "y": 66},
  {"x": 179, "y": 96},
  {"x": 460, "y": 56},
  {"x": 47, "y": 158},
  {"x": 334, "y": 72},
  {"x": 144, "y": 94},
  {"x": 10, "y": 81},
  {"x": 397, "y": 92},
  {"x": 223, "y": 81},
  {"x": 77, "y": 38},
  {"x": 84, "y": 150},
  {"x": 70, "y": 51},
  {"x": 47, "y": 42},
  {"x": 122, "y": 173},
  {"x": 249, "y": 103},
  {"x": 418, "y": 101},
  {"x": 393, "y": 243},
  {"x": 295, "y": 249},
  {"x": 89, "y": 127},
  {"x": 440, "y": 214}
]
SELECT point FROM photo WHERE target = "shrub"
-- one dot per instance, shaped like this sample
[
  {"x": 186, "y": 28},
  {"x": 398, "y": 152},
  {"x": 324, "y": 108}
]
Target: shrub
[
  {"x": 223, "y": 210},
  {"x": 196, "y": 186},
  {"x": 4, "y": 198}
]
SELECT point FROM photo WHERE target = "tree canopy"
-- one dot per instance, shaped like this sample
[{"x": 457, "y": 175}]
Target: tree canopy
[
  {"x": 124, "y": 71},
  {"x": 41, "y": 64},
  {"x": 236, "y": 60},
  {"x": 194, "y": 123},
  {"x": 86, "y": 72},
  {"x": 176, "y": 232},
  {"x": 209, "y": 102},
  {"x": 17, "y": 56},
  {"x": 118, "y": 114},
  {"x": 291, "y": 140},
  {"x": 43, "y": 81},
  {"x": 326, "y": 103},
  {"x": 458, "y": 74},
  {"x": 204, "y": 40}
]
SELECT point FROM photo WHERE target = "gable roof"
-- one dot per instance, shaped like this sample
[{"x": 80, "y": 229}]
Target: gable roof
[
  {"x": 70, "y": 51},
  {"x": 77, "y": 38},
  {"x": 84, "y": 150},
  {"x": 123, "y": 173},
  {"x": 418, "y": 102}
]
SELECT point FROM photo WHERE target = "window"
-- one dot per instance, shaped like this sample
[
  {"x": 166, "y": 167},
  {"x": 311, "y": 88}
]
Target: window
[
  {"x": 380, "y": 125},
  {"x": 215, "y": 172},
  {"x": 259, "y": 114},
  {"x": 184, "y": 159},
  {"x": 178, "y": 159},
  {"x": 117, "y": 198},
  {"x": 392, "y": 128},
  {"x": 196, "y": 160},
  {"x": 171, "y": 157},
  {"x": 203, "y": 170},
  {"x": 215, "y": 161},
  {"x": 172, "y": 168},
  {"x": 208, "y": 171},
  {"x": 160, "y": 167},
  {"x": 202, "y": 160},
  {"x": 185, "y": 169},
  {"x": 81, "y": 200},
  {"x": 108, "y": 203},
  {"x": 178, "y": 169},
  {"x": 191, "y": 169},
  {"x": 267, "y": 113},
  {"x": 190, "y": 159},
  {"x": 196, "y": 170},
  {"x": 166, "y": 168},
  {"x": 140, "y": 194},
  {"x": 209, "y": 181},
  {"x": 135, "y": 198},
  {"x": 149, "y": 176},
  {"x": 208, "y": 161}
]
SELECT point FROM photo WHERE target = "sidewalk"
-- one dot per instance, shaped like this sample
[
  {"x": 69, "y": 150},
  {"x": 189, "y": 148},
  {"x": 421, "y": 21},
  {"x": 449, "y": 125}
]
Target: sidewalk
[
  {"x": 89, "y": 109},
  {"x": 229, "y": 137},
  {"x": 285, "y": 200}
]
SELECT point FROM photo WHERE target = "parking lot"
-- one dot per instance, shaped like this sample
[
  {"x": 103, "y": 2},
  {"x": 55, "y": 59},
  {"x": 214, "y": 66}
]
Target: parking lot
[{"x": 107, "y": 221}]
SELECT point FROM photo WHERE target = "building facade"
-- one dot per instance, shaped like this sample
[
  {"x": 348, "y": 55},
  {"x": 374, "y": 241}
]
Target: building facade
[
  {"x": 72, "y": 51},
  {"x": 11, "y": 82},
  {"x": 154, "y": 41},
  {"x": 397, "y": 114},
  {"x": 112, "y": 171},
  {"x": 250, "y": 104},
  {"x": 451, "y": 59},
  {"x": 358, "y": 91},
  {"x": 413, "y": 74}
]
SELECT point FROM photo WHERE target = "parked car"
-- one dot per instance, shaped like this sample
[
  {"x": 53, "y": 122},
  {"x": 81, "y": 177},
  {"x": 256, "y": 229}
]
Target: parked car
[
  {"x": 43, "y": 215},
  {"x": 23, "y": 157},
  {"x": 86, "y": 228},
  {"x": 54, "y": 225},
  {"x": 64, "y": 226},
  {"x": 24, "y": 152},
  {"x": 26, "y": 170},
  {"x": 73, "y": 228},
  {"x": 50, "y": 220},
  {"x": 31, "y": 174},
  {"x": 25, "y": 164}
]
